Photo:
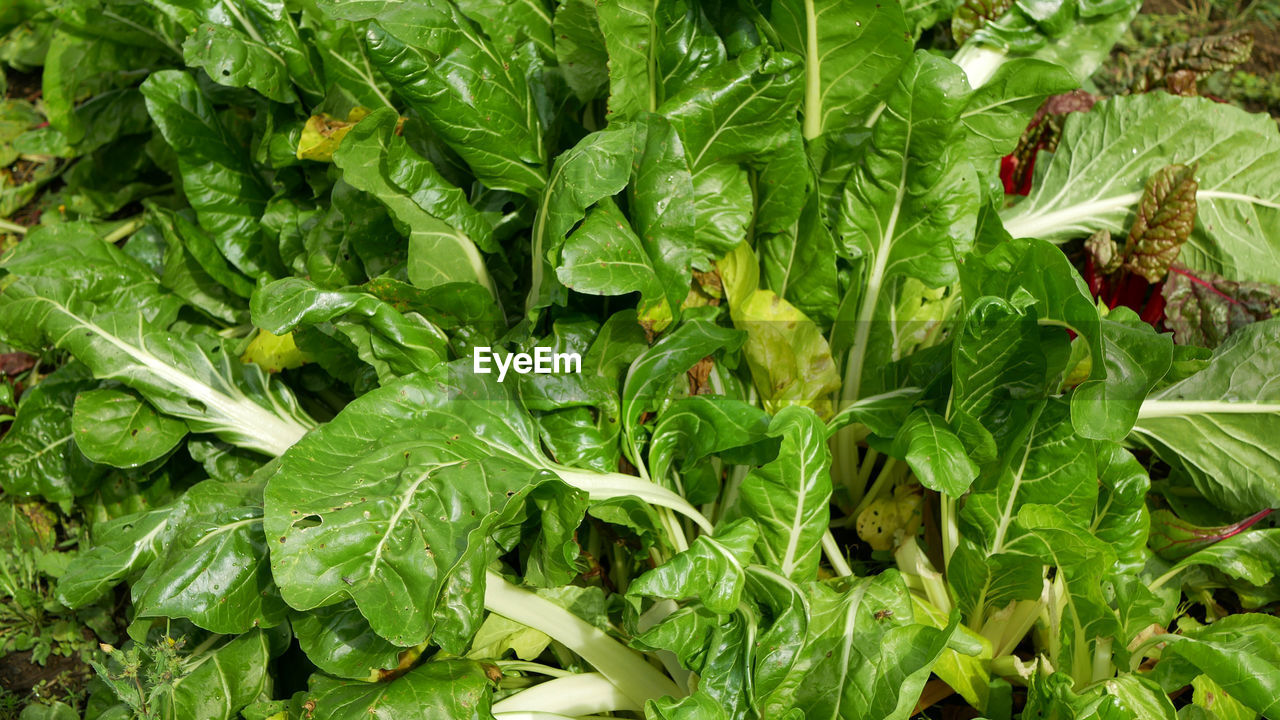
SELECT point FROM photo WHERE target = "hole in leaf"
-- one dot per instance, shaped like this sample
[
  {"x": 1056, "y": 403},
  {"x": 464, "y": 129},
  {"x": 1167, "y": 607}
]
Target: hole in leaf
[{"x": 308, "y": 521}]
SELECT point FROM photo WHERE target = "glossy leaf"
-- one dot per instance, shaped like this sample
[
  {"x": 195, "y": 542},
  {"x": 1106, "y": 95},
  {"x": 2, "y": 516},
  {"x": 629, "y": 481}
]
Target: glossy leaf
[
  {"x": 445, "y": 68},
  {"x": 119, "y": 428},
  {"x": 394, "y": 344},
  {"x": 218, "y": 180},
  {"x": 788, "y": 498},
  {"x": 38, "y": 453},
  {"x": 444, "y": 230},
  {"x": 914, "y": 189},
  {"x": 852, "y": 52},
  {"x": 231, "y": 58},
  {"x": 935, "y": 454}
]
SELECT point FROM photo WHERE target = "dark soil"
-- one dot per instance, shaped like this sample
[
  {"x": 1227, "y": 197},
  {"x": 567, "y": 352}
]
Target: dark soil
[
  {"x": 23, "y": 86},
  {"x": 59, "y": 674}
]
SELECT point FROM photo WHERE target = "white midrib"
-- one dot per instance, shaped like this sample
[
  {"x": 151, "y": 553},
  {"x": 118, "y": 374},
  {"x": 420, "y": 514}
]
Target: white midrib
[
  {"x": 47, "y": 448},
  {"x": 813, "y": 75},
  {"x": 367, "y": 76},
  {"x": 274, "y": 433},
  {"x": 788, "y": 564},
  {"x": 857, "y": 353},
  {"x": 1152, "y": 409},
  {"x": 605, "y": 486},
  {"x": 406, "y": 499},
  {"x": 850, "y": 615},
  {"x": 997, "y": 544},
  {"x": 539, "y": 237},
  {"x": 1036, "y": 224},
  {"x": 227, "y": 528}
]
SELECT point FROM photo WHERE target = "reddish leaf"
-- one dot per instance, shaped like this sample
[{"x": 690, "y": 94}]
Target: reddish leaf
[
  {"x": 1166, "y": 215},
  {"x": 1204, "y": 308}
]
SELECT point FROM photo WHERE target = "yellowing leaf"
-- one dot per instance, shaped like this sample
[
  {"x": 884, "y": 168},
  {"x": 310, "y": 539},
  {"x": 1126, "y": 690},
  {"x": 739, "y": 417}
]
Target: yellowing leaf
[
  {"x": 790, "y": 360},
  {"x": 273, "y": 353},
  {"x": 323, "y": 133},
  {"x": 891, "y": 517}
]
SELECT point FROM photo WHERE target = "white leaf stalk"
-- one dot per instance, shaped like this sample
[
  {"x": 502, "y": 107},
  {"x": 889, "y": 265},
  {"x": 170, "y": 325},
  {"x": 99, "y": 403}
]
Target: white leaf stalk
[
  {"x": 634, "y": 678},
  {"x": 580, "y": 694}
]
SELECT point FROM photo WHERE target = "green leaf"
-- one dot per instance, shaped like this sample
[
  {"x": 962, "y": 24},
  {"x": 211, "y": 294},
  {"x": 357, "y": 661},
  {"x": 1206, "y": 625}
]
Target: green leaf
[
  {"x": 38, "y": 453},
  {"x": 1082, "y": 560},
  {"x": 359, "y": 505},
  {"x": 863, "y": 655},
  {"x": 789, "y": 497},
  {"x": 271, "y": 21},
  {"x": 651, "y": 374},
  {"x": 1121, "y": 519},
  {"x": 436, "y": 690},
  {"x": 218, "y": 179},
  {"x": 121, "y": 547},
  {"x": 1241, "y": 653},
  {"x": 738, "y": 114},
  {"x": 477, "y": 101},
  {"x": 604, "y": 257},
  {"x": 223, "y": 681},
  {"x": 694, "y": 428},
  {"x": 444, "y": 229},
  {"x": 79, "y": 67},
  {"x": 711, "y": 570},
  {"x": 212, "y": 566},
  {"x": 1135, "y": 358},
  {"x": 196, "y": 271},
  {"x": 882, "y": 414},
  {"x": 598, "y": 166},
  {"x": 344, "y": 55},
  {"x": 340, "y": 642},
  {"x": 661, "y": 203},
  {"x": 1210, "y": 696},
  {"x": 935, "y": 454},
  {"x": 997, "y": 113},
  {"x": 1218, "y": 424},
  {"x": 236, "y": 60},
  {"x": 912, "y": 208},
  {"x": 16, "y": 117},
  {"x": 655, "y": 49},
  {"x": 109, "y": 312},
  {"x": 394, "y": 344},
  {"x": 1106, "y": 155},
  {"x": 115, "y": 427},
  {"x": 852, "y": 52},
  {"x": 1141, "y": 697},
  {"x": 511, "y": 23},
  {"x": 1047, "y": 464},
  {"x": 362, "y": 521},
  {"x": 580, "y": 48},
  {"x": 1252, "y": 556}
]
